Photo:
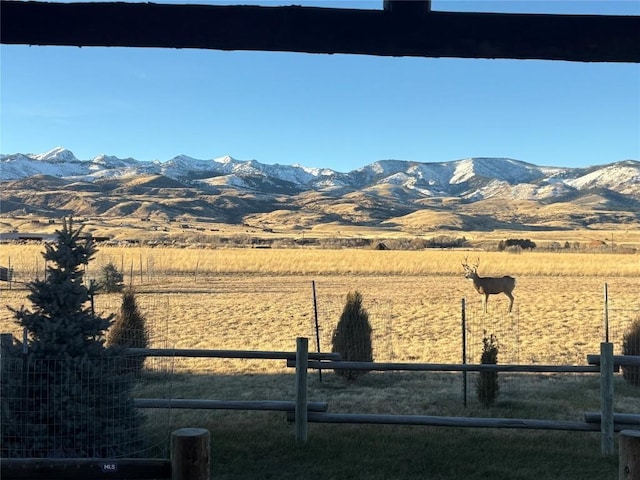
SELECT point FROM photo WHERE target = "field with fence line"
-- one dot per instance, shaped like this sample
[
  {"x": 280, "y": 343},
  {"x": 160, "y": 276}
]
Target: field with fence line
[{"x": 262, "y": 299}]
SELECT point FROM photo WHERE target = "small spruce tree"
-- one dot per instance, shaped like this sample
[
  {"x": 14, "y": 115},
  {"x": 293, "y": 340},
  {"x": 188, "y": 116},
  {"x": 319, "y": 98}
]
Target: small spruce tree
[
  {"x": 631, "y": 346},
  {"x": 487, "y": 387},
  {"x": 130, "y": 331},
  {"x": 352, "y": 336},
  {"x": 111, "y": 280},
  {"x": 74, "y": 402}
]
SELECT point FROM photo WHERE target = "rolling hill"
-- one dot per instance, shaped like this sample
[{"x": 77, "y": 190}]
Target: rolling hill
[{"x": 470, "y": 194}]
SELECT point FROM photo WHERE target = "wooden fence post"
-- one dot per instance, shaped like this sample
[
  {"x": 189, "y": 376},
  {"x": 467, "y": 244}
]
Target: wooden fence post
[
  {"x": 190, "y": 454},
  {"x": 606, "y": 398},
  {"x": 302, "y": 360},
  {"x": 629, "y": 456}
]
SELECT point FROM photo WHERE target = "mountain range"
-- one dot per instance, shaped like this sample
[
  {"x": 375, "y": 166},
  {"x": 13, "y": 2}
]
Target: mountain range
[{"x": 467, "y": 194}]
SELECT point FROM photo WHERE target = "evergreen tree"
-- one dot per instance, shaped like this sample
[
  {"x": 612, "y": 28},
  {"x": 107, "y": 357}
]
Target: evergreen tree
[
  {"x": 75, "y": 402},
  {"x": 130, "y": 331},
  {"x": 631, "y": 346},
  {"x": 487, "y": 386},
  {"x": 352, "y": 336},
  {"x": 111, "y": 280}
]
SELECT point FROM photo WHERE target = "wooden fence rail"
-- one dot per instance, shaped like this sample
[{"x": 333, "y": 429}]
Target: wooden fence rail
[
  {"x": 457, "y": 422},
  {"x": 618, "y": 360},
  {"x": 240, "y": 354},
  {"x": 447, "y": 367},
  {"x": 202, "y": 404},
  {"x": 618, "y": 418},
  {"x": 590, "y": 425}
]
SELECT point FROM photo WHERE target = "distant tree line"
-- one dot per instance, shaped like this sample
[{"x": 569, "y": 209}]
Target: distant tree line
[
  {"x": 444, "y": 241},
  {"x": 523, "y": 243}
]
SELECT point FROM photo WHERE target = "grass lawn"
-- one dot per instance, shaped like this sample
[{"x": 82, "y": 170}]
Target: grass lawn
[
  {"x": 262, "y": 445},
  {"x": 269, "y": 451}
]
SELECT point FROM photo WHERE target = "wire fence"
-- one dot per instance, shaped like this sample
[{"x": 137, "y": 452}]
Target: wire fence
[
  {"x": 55, "y": 408},
  {"x": 67, "y": 407},
  {"x": 82, "y": 407},
  {"x": 463, "y": 339},
  {"x": 57, "y": 398},
  {"x": 445, "y": 339}
]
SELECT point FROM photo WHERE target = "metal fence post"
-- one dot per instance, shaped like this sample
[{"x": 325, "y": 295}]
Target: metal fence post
[
  {"x": 606, "y": 313},
  {"x": 464, "y": 351}
]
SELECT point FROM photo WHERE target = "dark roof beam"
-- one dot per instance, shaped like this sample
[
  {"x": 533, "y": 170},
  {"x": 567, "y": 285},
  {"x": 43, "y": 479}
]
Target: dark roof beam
[
  {"x": 414, "y": 8},
  {"x": 390, "y": 32}
]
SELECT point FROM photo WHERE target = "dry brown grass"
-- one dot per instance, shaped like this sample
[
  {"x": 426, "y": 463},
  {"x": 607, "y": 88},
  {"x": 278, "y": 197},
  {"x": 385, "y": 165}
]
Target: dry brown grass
[
  {"x": 262, "y": 299},
  {"x": 160, "y": 262}
]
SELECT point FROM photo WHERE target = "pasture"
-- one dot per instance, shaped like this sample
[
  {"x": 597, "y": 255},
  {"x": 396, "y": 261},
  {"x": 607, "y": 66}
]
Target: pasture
[{"x": 261, "y": 299}]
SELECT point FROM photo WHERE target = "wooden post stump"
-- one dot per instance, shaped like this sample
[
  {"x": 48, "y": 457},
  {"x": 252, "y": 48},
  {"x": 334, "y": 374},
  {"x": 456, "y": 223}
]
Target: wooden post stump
[
  {"x": 629, "y": 456},
  {"x": 190, "y": 452}
]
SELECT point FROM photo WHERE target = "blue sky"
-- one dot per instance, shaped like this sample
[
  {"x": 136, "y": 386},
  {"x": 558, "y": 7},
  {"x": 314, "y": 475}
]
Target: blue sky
[{"x": 335, "y": 111}]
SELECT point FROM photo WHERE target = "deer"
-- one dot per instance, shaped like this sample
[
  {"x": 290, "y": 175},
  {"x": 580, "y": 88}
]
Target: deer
[{"x": 489, "y": 285}]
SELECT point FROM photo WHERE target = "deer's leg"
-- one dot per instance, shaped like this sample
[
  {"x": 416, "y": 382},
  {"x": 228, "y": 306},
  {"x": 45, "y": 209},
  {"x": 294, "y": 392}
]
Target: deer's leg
[
  {"x": 508, "y": 294},
  {"x": 485, "y": 300}
]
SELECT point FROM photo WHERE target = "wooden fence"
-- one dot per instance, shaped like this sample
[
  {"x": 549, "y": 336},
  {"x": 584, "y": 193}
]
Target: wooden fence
[
  {"x": 602, "y": 364},
  {"x": 302, "y": 411}
]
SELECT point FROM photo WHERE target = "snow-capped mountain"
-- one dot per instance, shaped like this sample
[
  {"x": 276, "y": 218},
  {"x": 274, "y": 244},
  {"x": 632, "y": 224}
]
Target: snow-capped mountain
[
  {"x": 400, "y": 186},
  {"x": 471, "y": 177}
]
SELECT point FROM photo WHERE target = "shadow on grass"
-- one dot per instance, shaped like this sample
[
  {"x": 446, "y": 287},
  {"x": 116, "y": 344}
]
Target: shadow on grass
[{"x": 261, "y": 445}]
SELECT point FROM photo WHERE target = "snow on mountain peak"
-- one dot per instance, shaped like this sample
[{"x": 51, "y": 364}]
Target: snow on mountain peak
[
  {"x": 506, "y": 169},
  {"x": 476, "y": 177},
  {"x": 224, "y": 160},
  {"x": 610, "y": 175},
  {"x": 464, "y": 171},
  {"x": 58, "y": 154}
]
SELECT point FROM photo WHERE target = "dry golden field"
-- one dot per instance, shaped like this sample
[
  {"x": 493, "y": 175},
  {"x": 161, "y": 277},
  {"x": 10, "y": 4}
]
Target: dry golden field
[{"x": 261, "y": 299}]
